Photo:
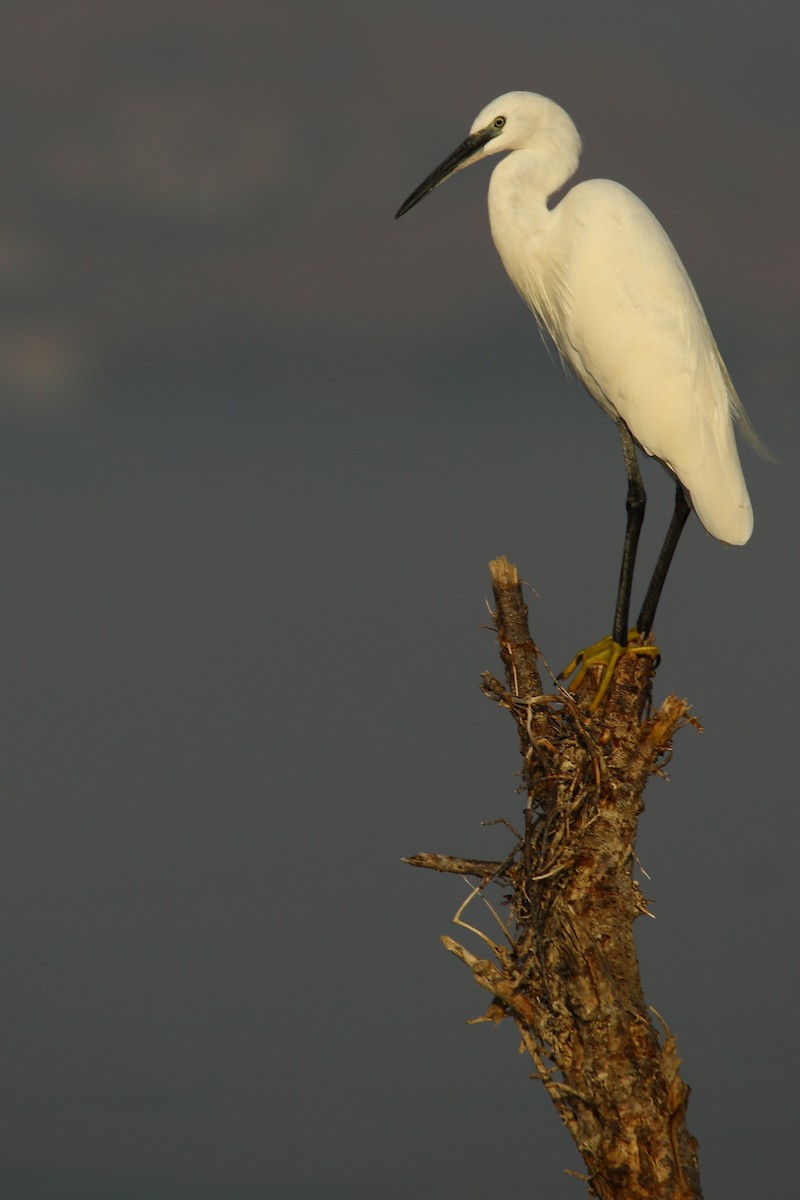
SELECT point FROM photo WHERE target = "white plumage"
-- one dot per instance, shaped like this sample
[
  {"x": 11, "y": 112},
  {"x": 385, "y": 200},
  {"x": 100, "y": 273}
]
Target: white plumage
[{"x": 604, "y": 280}]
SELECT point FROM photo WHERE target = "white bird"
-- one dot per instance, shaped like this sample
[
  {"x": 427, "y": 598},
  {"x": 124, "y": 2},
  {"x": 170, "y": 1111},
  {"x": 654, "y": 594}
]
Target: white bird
[{"x": 605, "y": 281}]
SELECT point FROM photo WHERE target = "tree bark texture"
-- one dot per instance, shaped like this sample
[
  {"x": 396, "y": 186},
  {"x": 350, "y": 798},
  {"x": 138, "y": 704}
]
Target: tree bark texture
[{"x": 566, "y": 970}]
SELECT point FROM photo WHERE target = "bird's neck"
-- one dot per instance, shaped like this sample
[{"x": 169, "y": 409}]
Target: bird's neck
[
  {"x": 527, "y": 233},
  {"x": 522, "y": 181},
  {"x": 518, "y": 212}
]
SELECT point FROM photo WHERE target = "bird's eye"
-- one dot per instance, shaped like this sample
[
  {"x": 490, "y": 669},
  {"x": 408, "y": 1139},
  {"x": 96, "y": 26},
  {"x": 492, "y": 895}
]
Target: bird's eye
[{"x": 499, "y": 122}]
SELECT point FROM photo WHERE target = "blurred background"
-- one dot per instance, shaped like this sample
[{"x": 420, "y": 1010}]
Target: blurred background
[{"x": 258, "y": 442}]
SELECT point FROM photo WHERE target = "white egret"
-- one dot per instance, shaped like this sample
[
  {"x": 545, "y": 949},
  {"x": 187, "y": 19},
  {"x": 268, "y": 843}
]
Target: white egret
[{"x": 604, "y": 280}]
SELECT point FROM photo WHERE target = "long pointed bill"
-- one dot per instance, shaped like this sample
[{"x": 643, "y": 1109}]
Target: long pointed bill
[{"x": 462, "y": 156}]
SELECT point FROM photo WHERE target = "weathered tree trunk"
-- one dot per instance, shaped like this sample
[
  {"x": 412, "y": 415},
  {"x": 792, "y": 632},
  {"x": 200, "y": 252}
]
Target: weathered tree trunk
[{"x": 567, "y": 973}]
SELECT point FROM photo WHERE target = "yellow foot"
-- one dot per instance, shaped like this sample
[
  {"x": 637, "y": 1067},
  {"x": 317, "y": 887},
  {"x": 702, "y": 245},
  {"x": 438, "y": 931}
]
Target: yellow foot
[{"x": 606, "y": 654}]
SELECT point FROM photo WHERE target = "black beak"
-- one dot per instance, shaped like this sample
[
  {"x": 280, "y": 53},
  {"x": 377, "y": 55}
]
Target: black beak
[{"x": 469, "y": 147}]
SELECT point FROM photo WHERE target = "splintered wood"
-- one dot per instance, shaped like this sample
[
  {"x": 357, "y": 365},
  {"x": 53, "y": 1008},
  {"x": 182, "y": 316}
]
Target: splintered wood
[{"x": 566, "y": 971}]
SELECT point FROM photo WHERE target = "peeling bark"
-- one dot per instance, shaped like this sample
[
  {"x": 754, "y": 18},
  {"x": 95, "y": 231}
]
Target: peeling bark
[{"x": 568, "y": 975}]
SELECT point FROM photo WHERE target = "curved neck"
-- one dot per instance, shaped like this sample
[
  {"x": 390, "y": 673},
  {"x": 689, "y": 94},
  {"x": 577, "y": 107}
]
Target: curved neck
[{"x": 543, "y": 168}]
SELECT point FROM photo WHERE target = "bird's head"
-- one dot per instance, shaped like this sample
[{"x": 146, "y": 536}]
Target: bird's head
[{"x": 515, "y": 121}]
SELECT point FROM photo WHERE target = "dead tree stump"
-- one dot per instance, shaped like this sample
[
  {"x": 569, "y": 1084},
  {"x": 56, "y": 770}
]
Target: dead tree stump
[{"x": 567, "y": 972}]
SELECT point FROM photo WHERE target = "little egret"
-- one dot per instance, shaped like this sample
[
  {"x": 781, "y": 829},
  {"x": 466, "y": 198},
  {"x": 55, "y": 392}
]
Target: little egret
[{"x": 602, "y": 277}]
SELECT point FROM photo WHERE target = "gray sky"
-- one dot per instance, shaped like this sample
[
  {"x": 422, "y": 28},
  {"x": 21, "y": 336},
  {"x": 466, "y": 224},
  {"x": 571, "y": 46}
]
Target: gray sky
[{"x": 258, "y": 444}]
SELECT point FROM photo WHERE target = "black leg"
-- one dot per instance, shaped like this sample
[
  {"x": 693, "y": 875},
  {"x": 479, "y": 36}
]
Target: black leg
[
  {"x": 682, "y": 510},
  {"x": 634, "y": 506}
]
